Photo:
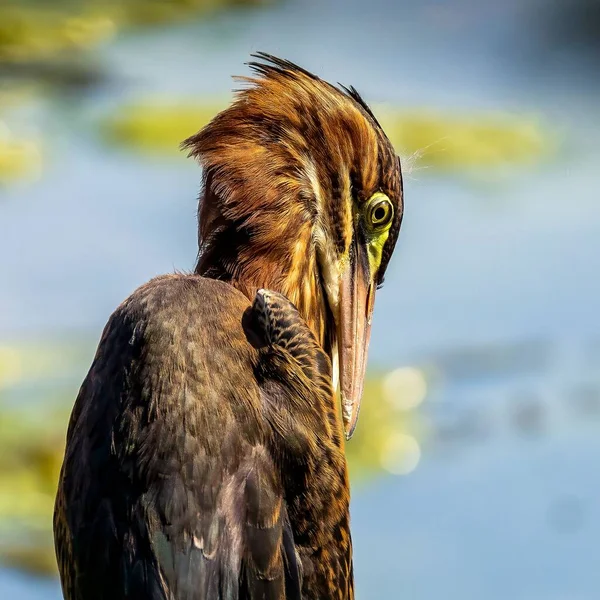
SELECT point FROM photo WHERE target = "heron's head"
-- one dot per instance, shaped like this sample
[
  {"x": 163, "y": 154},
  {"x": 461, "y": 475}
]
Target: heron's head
[{"x": 302, "y": 194}]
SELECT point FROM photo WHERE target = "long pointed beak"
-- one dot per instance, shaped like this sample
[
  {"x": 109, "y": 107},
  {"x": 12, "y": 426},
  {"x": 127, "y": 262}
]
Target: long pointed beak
[{"x": 357, "y": 297}]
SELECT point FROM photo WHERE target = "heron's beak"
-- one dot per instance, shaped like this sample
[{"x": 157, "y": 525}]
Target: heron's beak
[{"x": 357, "y": 297}]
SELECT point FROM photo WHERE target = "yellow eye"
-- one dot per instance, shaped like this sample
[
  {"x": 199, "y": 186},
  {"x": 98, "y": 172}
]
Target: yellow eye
[{"x": 380, "y": 211}]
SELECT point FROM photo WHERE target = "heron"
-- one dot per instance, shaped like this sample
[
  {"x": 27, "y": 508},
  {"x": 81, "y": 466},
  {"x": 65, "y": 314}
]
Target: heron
[{"x": 205, "y": 450}]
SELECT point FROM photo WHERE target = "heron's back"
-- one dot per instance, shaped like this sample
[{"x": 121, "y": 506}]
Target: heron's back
[{"x": 163, "y": 435}]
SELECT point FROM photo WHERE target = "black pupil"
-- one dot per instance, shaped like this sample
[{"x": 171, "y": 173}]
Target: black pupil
[{"x": 379, "y": 214}]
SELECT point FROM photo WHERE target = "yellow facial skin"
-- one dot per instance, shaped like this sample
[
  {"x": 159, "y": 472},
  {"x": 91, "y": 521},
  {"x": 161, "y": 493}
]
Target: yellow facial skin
[{"x": 377, "y": 214}]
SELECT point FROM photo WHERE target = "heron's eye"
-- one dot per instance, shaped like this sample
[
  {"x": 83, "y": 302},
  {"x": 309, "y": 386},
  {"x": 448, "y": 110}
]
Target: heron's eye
[{"x": 380, "y": 212}]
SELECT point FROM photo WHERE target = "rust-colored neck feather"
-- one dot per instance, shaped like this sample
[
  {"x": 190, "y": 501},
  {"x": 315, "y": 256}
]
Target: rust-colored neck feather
[{"x": 279, "y": 257}]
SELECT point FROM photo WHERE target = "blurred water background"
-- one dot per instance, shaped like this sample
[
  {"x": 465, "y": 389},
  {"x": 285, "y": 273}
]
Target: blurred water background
[{"x": 473, "y": 463}]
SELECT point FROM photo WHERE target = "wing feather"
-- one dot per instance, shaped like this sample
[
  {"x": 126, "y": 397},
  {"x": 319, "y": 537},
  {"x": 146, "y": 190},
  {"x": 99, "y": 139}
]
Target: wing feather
[{"x": 167, "y": 490}]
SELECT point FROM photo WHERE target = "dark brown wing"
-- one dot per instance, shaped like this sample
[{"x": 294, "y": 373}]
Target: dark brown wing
[{"x": 168, "y": 489}]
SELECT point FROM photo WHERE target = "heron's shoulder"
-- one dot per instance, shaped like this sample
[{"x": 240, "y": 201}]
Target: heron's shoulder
[
  {"x": 179, "y": 294},
  {"x": 181, "y": 306}
]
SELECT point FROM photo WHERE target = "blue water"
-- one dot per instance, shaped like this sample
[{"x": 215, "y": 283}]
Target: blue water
[{"x": 494, "y": 284}]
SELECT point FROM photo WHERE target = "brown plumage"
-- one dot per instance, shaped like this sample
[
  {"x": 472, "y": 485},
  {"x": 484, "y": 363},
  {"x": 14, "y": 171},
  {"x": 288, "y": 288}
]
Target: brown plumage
[{"x": 204, "y": 455}]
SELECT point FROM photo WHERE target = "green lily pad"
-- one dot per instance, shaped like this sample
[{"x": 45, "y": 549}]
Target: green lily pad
[{"x": 445, "y": 142}]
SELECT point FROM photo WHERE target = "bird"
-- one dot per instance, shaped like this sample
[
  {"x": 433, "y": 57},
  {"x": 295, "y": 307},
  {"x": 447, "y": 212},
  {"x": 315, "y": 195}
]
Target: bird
[{"x": 205, "y": 453}]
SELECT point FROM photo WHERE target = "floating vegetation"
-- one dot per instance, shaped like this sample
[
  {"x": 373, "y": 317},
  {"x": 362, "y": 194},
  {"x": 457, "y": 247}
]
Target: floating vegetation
[
  {"x": 453, "y": 141},
  {"x": 386, "y": 410},
  {"x": 31, "y": 451},
  {"x": 153, "y": 12},
  {"x": 38, "y": 31},
  {"x": 31, "y": 33},
  {"x": 157, "y": 127},
  {"x": 19, "y": 158},
  {"x": 446, "y": 142}
]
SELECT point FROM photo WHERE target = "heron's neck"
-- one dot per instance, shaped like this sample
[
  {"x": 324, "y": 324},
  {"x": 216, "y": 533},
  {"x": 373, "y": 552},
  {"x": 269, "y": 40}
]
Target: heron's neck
[{"x": 290, "y": 268}]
